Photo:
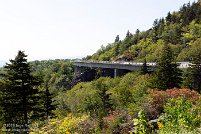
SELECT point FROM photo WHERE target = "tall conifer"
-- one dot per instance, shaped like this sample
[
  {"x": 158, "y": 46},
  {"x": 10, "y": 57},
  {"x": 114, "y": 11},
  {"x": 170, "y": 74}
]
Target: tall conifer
[
  {"x": 167, "y": 74},
  {"x": 193, "y": 79},
  {"x": 20, "y": 99},
  {"x": 144, "y": 69}
]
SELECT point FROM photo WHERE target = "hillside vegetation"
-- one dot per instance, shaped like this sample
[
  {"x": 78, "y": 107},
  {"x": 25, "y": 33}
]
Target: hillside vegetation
[
  {"x": 41, "y": 97},
  {"x": 166, "y": 101},
  {"x": 181, "y": 30}
]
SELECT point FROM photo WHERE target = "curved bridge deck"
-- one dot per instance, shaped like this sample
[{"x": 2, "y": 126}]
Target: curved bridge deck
[{"x": 118, "y": 65}]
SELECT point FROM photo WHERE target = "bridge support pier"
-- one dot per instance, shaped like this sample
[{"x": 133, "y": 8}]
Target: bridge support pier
[
  {"x": 78, "y": 70},
  {"x": 116, "y": 74}
]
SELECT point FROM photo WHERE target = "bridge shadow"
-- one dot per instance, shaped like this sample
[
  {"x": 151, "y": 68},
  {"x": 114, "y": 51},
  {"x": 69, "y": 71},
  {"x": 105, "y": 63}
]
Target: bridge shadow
[{"x": 88, "y": 74}]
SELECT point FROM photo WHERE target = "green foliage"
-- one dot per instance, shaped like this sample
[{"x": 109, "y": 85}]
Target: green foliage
[
  {"x": 56, "y": 74},
  {"x": 130, "y": 89},
  {"x": 179, "y": 32},
  {"x": 193, "y": 76},
  {"x": 187, "y": 53},
  {"x": 167, "y": 75},
  {"x": 101, "y": 104},
  {"x": 104, "y": 96},
  {"x": 67, "y": 125},
  {"x": 141, "y": 125},
  {"x": 47, "y": 101},
  {"x": 172, "y": 34},
  {"x": 193, "y": 32},
  {"x": 20, "y": 97},
  {"x": 180, "y": 114},
  {"x": 100, "y": 97},
  {"x": 73, "y": 99}
]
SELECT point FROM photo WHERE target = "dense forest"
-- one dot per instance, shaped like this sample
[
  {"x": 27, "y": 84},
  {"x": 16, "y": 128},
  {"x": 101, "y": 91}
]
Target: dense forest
[{"x": 41, "y": 97}]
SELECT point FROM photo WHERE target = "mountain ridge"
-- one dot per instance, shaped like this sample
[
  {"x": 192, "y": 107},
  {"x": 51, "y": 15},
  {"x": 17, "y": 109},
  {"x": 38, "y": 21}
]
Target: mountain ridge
[{"x": 181, "y": 30}]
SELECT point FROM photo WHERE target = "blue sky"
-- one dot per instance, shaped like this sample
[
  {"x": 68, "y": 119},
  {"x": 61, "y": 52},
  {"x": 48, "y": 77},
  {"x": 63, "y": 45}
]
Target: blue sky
[{"x": 54, "y": 29}]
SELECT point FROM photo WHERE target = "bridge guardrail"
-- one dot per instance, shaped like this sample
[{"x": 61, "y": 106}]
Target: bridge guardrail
[{"x": 181, "y": 64}]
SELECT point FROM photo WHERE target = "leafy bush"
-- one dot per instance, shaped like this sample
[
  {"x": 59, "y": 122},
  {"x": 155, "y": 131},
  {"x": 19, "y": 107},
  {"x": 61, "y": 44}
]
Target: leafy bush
[
  {"x": 141, "y": 125},
  {"x": 180, "y": 114}
]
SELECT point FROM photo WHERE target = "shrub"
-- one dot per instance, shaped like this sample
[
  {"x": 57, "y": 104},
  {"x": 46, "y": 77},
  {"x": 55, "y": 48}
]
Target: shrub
[
  {"x": 180, "y": 114},
  {"x": 154, "y": 103},
  {"x": 141, "y": 124},
  {"x": 69, "y": 124},
  {"x": 118, "y": 121},
  {"x": 89, "y": 126}
]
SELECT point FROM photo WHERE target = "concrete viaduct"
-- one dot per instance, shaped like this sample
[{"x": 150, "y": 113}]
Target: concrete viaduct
[{"x": 116, "y": 66}]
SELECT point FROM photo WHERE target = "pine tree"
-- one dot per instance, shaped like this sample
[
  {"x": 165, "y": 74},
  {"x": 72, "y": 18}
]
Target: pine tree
[
  {"x": 167, "y": 74},
  {"x": 106, "y": 104},
  {"x": 20, "y": 97}
]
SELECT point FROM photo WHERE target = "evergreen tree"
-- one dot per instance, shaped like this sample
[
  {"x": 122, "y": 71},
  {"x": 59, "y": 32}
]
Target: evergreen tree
[
  {"x": 193, "y": 79},
  {"x": 136, "y": 37},
  {"x": 116, "y": 48},
  {"x": 128, "y": 34},
  {"x": 117, "y": 38},
  {"x": 47, "y": 101},
  {"x": 167, "y": 74},
  {"x": 20, "y": 97},
  {"x": 106, "y": 101},
  {"x": 48, "y": 106},
  {"x": 168, "y": 18},
  {"x": 105, "y": 98},
  {"x": 144, "y": 69},
  {"x": 155, "y": 29}
]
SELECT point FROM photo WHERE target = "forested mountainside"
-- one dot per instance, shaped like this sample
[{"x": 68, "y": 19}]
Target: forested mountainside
[
  {"x": 166, "y": 101},
  {"x": 56, "y": 74},
  {"x": 181, "y": 30}
]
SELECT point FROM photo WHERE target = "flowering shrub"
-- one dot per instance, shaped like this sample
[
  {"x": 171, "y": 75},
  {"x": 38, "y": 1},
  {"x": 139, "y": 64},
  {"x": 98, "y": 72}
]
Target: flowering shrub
[
  {"x": 70, "y": 124},
  {"x": 177, "y": 110},
  {"x": 157, "y": 99},
  {"x": 185, "y": 93},
  {"x": 118, "y": 121},
  {"x": 67, "y": 125}
]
